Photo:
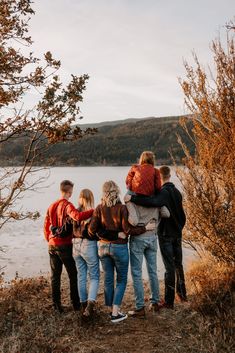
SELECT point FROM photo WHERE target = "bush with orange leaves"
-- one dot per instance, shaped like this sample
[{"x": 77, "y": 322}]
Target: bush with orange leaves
[
  {"x": 213, "y": 283},
  {"x": 208, "y": 181},
  {"x": 209, "y": 177}
]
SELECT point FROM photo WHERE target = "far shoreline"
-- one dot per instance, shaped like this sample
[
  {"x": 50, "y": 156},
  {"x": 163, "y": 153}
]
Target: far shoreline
[{"x": 85, "y": 166}]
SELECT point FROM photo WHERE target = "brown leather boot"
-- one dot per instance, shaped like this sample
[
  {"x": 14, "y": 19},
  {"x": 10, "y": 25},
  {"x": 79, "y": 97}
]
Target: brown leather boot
[
  {"x": 138, "y": 313},
  {"x": 89, "y": 311},
  {"x": 154, "y": 307},
  {"x": 83, "y": 306},
  {"x": 182, "y": 298},
  {"x": 165, "y": 305}
]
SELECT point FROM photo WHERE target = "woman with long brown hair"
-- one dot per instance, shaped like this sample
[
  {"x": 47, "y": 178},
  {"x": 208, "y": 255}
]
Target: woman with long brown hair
[{"x": 85, "y": 254}]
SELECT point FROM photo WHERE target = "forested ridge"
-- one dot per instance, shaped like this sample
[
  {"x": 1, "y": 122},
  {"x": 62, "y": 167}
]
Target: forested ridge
[{"x": 119, "y": 143}]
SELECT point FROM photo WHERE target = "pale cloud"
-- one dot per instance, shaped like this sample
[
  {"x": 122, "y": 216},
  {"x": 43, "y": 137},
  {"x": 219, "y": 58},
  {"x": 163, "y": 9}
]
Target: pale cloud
[{"x": 133, "y": 50}]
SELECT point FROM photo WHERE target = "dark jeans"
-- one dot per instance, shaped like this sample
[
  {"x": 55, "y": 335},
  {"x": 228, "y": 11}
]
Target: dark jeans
[
  {"x": 59, "y": 256},
  {"x": 171, "y": 250}
]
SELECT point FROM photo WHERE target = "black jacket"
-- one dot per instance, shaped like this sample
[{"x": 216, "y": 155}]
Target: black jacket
[{"x": 170, "y": 197}]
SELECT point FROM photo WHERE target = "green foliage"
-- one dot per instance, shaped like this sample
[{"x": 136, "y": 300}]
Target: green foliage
[{"x": 119, "y": 144}]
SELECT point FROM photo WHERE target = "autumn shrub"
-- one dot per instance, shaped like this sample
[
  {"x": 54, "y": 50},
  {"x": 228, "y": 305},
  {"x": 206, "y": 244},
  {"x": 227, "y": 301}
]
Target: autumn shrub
[
  {"x": 208, "y": 178},
  {"x": 213, "y": 285},
  {"x": 208, "y": 181}
]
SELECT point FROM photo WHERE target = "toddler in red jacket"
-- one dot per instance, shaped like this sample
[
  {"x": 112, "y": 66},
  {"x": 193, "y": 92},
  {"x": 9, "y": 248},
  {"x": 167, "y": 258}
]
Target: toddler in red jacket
[{"x": 144, "y": 178}]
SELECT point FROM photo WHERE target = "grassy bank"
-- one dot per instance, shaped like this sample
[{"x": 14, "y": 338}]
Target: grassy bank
[{"x": 28, "y": 324}]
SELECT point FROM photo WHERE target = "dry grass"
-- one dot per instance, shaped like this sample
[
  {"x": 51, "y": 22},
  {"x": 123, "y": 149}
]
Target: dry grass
[
  {"x": 28, "y": 324},
  {"x": 212, "y": 285}
]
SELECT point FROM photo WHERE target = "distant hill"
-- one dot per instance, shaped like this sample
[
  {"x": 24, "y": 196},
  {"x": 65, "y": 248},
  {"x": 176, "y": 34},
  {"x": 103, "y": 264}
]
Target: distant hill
[
  {"x": 125, "y": 121},
  {"x": 115, "y": 143},
  {"x": 111, "y": 123}
]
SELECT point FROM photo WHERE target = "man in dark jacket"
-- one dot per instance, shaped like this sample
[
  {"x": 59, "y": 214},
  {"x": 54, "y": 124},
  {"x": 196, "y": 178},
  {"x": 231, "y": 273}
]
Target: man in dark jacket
[{"x": 169, "y": 235}]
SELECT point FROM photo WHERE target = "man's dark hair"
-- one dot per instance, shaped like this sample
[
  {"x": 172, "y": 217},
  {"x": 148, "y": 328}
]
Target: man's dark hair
[
  {"x": 165, "y": 171},
  {"x": 66, "y": 185}
]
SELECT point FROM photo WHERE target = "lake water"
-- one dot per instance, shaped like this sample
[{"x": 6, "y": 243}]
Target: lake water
[{"x": 25, "y": 250}]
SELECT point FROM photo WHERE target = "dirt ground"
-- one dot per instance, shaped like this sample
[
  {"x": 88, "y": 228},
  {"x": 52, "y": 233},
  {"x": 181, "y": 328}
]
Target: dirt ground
[{"x": 28, "y": 325}]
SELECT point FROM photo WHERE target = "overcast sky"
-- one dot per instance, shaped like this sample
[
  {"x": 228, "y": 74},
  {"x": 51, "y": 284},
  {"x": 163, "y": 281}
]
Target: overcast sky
[{"x": 133, "y": 50}]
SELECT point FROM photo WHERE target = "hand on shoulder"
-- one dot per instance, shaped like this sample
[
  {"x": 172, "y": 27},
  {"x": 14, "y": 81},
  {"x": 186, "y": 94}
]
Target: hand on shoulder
[{"x": 127, "y": 198}]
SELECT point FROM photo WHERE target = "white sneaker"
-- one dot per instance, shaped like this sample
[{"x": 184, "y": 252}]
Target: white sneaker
[{"x": 118, "y": 318}]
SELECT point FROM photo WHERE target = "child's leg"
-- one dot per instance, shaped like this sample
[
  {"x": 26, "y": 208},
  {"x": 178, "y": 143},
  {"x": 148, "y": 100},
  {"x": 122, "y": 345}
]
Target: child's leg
[{"x": 129, "y": 192}]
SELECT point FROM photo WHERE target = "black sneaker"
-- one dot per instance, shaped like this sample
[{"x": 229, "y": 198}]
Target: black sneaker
[{"x": 118, "y": 318}]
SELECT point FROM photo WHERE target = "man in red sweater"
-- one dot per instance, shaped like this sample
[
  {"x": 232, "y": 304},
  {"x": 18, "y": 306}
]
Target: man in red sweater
[{"x": 60, "y": 248}]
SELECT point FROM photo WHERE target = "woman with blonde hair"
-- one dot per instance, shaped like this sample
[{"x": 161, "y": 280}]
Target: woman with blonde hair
[
  {"x": 112, "y": 216},
  {"x": 85, "y": 254},
  {"x": 144, "y": 178}
]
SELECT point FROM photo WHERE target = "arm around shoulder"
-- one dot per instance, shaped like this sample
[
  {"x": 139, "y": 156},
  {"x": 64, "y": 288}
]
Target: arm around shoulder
[{"x": 76, "y": 215}]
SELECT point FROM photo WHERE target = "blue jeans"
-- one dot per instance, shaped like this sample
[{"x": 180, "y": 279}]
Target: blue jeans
[
  {"x": 129, "y": 192},
  {"x": 85, "y": 254},
  {"x": 144, "y": 246},
  {"x": 114, "y": 257}
]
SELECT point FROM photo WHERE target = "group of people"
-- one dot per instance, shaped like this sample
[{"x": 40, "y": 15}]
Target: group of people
[{"x": 114, "y": 233}]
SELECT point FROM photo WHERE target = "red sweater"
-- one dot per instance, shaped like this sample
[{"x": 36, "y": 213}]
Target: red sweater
[
  {"x": 143, "y": 179},
  {"x": 56, "y": 216}
]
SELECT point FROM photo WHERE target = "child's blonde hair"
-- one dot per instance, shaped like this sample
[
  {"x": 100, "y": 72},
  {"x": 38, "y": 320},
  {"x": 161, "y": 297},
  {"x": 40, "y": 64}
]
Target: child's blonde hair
[
  {"x": 147, "y": 157},
  {"x": 86, "y": 199}
]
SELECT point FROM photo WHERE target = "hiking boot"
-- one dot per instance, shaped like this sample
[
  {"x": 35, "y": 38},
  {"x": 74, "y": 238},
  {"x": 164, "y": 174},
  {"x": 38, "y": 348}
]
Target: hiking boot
[
  {"x": 58, "y": 308},
  {"x": 164, "y": 305},
  {"x": 89, "y": 309},
  {"x": 182, "y": 298},
  {"x": 154, "y": 307},
  {"x": 83, "y": 306},
  {"x": 118, "y": 318},
  {"x": 138, "y": 313}
]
